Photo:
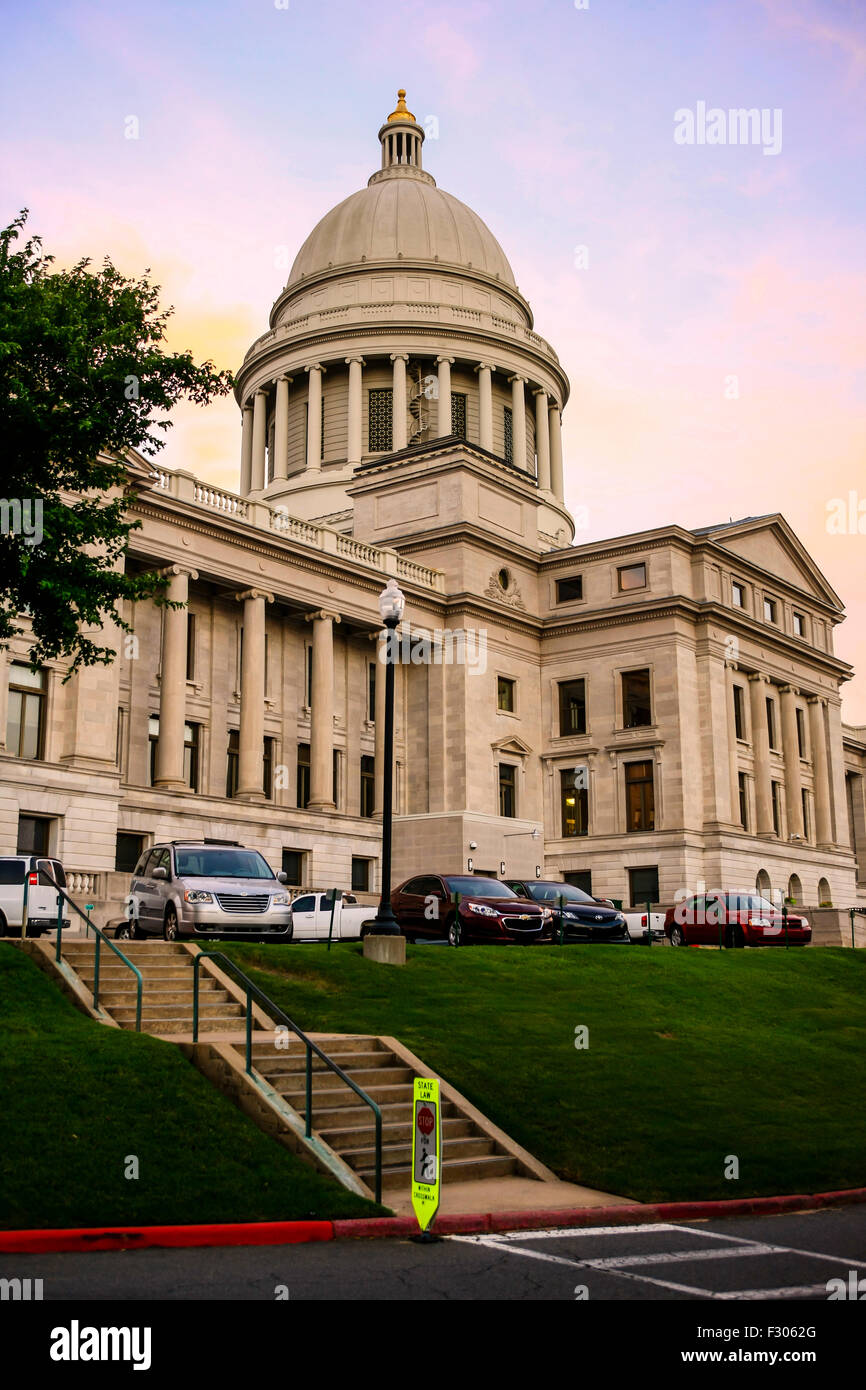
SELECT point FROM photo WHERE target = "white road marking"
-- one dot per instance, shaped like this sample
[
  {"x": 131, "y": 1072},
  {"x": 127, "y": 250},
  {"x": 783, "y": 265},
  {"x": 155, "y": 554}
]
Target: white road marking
[
  {"x": 798, "y": 1291},
  {"x": 661, "y": 1257}
]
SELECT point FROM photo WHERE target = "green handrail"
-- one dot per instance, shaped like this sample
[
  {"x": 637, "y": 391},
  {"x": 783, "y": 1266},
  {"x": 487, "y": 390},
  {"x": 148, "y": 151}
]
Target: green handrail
[
  {"x": 62, "y": 897},
  {"x": 281, "y": 1016}
]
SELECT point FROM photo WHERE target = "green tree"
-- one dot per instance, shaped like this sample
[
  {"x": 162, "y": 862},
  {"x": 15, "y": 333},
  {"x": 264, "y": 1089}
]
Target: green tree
[{"x": 84, "y": 378}]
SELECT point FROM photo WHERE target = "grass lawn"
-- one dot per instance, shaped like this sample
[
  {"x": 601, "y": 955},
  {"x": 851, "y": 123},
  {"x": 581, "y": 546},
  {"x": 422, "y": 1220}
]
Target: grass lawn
[
  {"x": 78, "y": 1097},
  {"x": 693, "y": 1055}
]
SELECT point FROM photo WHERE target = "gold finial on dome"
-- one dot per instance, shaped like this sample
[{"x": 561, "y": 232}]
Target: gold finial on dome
[{"x": 402, "y": 113}]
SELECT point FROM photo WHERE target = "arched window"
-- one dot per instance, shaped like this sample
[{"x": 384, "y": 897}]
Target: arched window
[
  {"x": 762, "y": 883},
  {"x": 795, "y": 890},
  {"x": 825, "y": 897}
]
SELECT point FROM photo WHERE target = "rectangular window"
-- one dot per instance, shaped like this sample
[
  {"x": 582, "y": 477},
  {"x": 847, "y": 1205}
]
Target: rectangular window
[
  {"x": 769, "y": 610},
  {"x": 360, "y": 875},
  {"x": 307, "y": 428},
  {"x": 807, "y": 833},
  {"x": 739, "y": 713},
  {"x": 639, "y": 796},
  {"x": 381, "y": 420},
  {"x": 309, "y": 680},
  {"x": 34, "y": 833},
  {"x": 643, "y": 886},
  {"x": 801, "y": 733},
  {"x": 508, "y": 427},
  {"x": 776, "y": 799},
  {"x": 293, "y": 867},
  {"x": 572, "y": 708},
  {"x": 303, "y": 775},
  {"x": 505, "y": 694},
  {"x": 368, "y": 785},
  {"x": 25, "y": 722},
  {"x": 771, "y": 721},
  {"x": 268, "y": 767},
  {"x": 575, "y": 805},
  {"x": 579, "y": 878},
  {"x": 507, "y": 790},
  {"x": 458, "y": 415},
  {"x": 567, "y": 590},
  {"x": 743, "y": 789},
  {"x": 191, "y": 741},
  {"x": 232, "y": 763},
  {"x": 190, "y": 646},
  {"x": 335, "y": 776},
  {"x": 153, "y": 742},
  {"x": 799, "y": 625},
  {"x": 738, "y": 594},
  {"x": 371, "y": 692},
  {"x": 636, "y": 706},
  {"x": 631, "y": 577},
  {"x": 127, "y": 852}
]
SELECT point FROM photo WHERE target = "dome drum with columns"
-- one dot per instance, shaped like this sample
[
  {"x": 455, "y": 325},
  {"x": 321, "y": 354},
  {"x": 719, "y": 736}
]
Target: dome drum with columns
[{"x": 400, "y": 324}]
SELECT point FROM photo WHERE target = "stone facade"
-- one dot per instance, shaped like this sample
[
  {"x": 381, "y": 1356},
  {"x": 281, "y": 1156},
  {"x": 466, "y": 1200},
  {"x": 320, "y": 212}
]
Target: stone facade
[{"x": 401, "y": 418}]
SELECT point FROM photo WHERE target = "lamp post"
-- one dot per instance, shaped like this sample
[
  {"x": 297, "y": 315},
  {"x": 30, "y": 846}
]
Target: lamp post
[{"x": 391, "y": 605}]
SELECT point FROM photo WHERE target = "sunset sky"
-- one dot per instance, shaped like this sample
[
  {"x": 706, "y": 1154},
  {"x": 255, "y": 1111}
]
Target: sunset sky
[{"x": 556, "y": 124}]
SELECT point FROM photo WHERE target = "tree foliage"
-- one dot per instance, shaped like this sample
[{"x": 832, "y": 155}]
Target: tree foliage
[{"x": 84, "y": 379}]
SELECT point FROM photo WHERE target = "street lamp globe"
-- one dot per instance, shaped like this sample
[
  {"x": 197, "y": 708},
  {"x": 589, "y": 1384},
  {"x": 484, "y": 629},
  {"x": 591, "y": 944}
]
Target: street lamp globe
[{"x": 392, "y": 602}]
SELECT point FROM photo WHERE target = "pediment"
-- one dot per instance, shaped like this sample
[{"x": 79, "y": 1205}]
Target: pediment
[
  {"x": 771, "y": 545},
  {"x": 512, "y": 745}
]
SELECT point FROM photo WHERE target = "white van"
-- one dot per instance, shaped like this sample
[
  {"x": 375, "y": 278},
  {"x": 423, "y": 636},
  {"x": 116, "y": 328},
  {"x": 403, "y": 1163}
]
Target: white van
[{"x": 30, "y": 871}]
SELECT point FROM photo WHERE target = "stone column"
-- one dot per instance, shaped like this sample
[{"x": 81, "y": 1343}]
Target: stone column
[
  {"x": 260, "y": 435},
  {"x": 485, "y": 405},
  {"x": 356, "y": 365},
  {"x": 281, "y": 429},
  {"x": 322, "y": 712},
  {"x": 443, "y": 419},
  {"x": 314, "y": 418},
  {"x": 252, "y": 730},
  {"x": 791, "y": 751},
  {"x": 400, "y": 428},
  {"x": 557, "y": 482},
  {"x": 379, "y": 716},
  {"x": 518, "y": 422},
  {"x": 761, "y": 747},
  {"x": 246, "y": 450},
  {"x": 542, "y": 439},
  {"x": 820, "y": 772},
  {"x": 733, "y": 757},
  {"x": 172, "y": 683}
]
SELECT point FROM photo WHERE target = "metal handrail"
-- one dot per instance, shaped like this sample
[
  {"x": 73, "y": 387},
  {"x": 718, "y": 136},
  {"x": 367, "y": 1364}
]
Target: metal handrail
[
  {"x": 62, "y": 897},
  {"x": 267, "y": 1003}
]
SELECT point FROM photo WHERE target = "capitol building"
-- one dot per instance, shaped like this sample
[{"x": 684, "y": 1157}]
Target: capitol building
[{"x": 400, "y": 417}]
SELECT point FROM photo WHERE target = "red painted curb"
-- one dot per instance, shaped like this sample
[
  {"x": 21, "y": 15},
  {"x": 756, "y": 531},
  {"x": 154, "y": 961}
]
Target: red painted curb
[
  {"x": 145, "y": 1237},
  {"x": 302, "y": 1232}
]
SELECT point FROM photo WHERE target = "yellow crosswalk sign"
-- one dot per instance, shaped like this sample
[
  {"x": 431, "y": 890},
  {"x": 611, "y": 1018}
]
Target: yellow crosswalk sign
[{"x": 426, "y": 1150}]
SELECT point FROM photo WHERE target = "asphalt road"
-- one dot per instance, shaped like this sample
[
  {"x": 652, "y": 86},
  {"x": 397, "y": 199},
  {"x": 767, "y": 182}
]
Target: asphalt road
[{"x": 743, "y": 1259}]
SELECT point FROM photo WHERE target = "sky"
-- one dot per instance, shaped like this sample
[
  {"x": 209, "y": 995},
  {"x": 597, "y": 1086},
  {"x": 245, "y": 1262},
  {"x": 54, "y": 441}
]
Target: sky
[{"x": 707, "y": 299}]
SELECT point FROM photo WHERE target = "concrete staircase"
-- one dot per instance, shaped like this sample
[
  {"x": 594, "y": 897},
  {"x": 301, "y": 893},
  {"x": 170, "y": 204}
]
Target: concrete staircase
[
  {"x": 166, "y": 999},
  {"x": 347, "y": 1125}
]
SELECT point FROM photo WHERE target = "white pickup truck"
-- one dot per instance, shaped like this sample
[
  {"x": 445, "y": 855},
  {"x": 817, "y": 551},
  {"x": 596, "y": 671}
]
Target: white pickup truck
[{"x": 311, "y": 917}]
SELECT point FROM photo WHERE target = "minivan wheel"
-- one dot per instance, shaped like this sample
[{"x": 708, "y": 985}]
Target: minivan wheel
[
  {"x": 169, "y": 926},
  {"x": 677, "y": 936}
]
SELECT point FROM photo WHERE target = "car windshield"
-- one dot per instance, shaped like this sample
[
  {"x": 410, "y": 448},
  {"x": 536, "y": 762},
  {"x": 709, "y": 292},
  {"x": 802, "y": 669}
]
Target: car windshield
[
  {"x": 221, "y": 863},
  {"x": 479, "y": 888},
  {"x": 747, "y": 902},
  {"x": 552, "y": 892}
]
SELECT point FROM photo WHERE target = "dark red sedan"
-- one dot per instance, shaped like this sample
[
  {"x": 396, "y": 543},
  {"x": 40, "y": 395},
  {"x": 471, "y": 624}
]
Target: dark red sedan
[
  {"x": 742, "y": 919},
  {"x": 462, "y": 908}
]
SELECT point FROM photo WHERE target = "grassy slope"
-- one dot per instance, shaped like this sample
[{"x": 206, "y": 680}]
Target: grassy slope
[
  {"x": 77, "y": 1098},
  {"x": 693, "y": 1055}
]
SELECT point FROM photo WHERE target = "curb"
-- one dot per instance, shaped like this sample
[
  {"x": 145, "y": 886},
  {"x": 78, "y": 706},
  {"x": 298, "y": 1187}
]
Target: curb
[{"x": 378, "y": 1227}]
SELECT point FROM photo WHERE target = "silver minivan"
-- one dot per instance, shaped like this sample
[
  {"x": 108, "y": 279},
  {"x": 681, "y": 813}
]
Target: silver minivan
[
  {"x": 206, "y": 888},
  {"x": 28, "y": 874}
]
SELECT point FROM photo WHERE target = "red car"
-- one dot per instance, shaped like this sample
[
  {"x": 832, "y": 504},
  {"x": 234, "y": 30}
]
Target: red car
[
  {"x": 745, "y": 919},
  {"x": 426, "y": 908}
]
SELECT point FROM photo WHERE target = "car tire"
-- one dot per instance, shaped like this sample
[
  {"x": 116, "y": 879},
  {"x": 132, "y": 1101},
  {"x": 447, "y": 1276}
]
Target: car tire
[
  {"x": 454, "y": 933},
  {"x": 127, "y": 931},
  {"x": 169, "y": 926},
  {"x": 734, "y": 938},
  {"x": 678, "y": 936},
  {"x": 3, "y": 931}
]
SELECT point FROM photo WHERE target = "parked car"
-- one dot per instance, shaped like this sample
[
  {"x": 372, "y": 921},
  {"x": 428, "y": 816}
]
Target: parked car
[
  {"x": 426, "y": 909},
  {"x": 206, "y": 888},
  {"x": 582, "y": 918},
  {"x": 30, "y": 872},
  {"x": 311, "y": 917},
  {"x": 745, "y": 919},
  {"x": 637, "y": 926}
]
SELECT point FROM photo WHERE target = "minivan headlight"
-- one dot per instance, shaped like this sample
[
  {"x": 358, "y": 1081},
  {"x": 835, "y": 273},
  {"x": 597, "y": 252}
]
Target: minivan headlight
[
  {"x": 279, "y": 899},
  {"x": 197, "y": 895}
]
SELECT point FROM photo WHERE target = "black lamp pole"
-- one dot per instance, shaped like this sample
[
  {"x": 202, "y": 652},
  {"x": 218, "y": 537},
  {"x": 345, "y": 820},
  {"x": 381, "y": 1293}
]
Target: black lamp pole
[{"x": 385, "y": 922}]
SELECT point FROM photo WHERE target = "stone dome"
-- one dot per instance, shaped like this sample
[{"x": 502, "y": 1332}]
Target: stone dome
[{"x": 401, "y": 218}]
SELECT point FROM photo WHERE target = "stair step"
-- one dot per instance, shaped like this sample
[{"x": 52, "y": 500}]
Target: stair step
[
  {"x": 327, "y": 1080},
  {"x": 154, "y": 999},
  {"x": 466, "y": 1170},
  {"x": 269, "y": 1059},
  {"x": 359, "y": 1136},
  {"x": 453, "y": 1151},
  {"x": 182, "y": 1012},
  {"x": 331, "y": 1117},
  {"x": 344, "y": 1096},
  {"x": 163, "y": 1027}
]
